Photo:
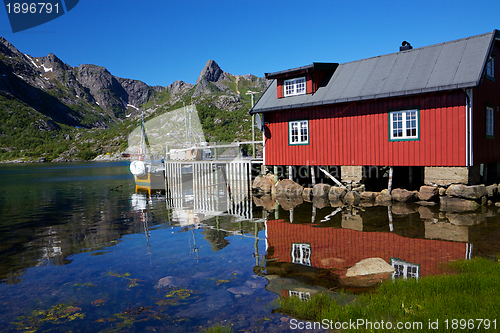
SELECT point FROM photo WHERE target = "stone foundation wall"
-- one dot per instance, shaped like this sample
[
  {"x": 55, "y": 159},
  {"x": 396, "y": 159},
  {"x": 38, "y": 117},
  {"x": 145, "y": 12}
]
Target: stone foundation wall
[
  {"x": 351, "y": 173},
  {"x": 452, "y": 198}
]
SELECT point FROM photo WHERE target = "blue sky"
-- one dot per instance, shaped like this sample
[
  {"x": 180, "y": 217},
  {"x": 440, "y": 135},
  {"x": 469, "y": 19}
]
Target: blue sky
[{"x": 161, "y": 41}]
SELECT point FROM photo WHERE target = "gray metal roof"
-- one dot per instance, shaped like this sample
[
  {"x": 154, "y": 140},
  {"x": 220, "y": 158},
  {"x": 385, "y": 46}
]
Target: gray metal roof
[{"x": 451, "y": 65}]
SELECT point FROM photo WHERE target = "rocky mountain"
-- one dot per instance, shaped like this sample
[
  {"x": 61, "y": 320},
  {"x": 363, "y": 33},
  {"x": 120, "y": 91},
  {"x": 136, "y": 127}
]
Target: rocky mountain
[
  {"x": 57, "y": 98},
  {"x": 76, "y": 96},
  {"x": 227, "y": 87}
]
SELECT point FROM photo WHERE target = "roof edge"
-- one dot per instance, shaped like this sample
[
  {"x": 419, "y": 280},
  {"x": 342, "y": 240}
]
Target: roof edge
[
  {"x": 495, "y": 34},
  {"x": 317, "y": 66},
  {"x": 365, "y": 98}
]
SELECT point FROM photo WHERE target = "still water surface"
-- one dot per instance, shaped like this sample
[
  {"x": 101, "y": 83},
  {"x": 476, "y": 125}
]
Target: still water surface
[{"x": 81, "y": 251}]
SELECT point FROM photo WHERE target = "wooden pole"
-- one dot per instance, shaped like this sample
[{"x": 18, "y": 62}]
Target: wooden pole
[
  {"x": 313, "y": 176},
  {"x": 389, "y": 185},
  {"x": 331, "y": 177},
  {"x": 389, "y": 214},
  {"x": 410, "y": 178}
]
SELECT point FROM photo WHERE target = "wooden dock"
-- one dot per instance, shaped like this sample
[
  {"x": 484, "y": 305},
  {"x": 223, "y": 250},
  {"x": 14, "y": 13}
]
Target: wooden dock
[{"x": 221, "y": 183}]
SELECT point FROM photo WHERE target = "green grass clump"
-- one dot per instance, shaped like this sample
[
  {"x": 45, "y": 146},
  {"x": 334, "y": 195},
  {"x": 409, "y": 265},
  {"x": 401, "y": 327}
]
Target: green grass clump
[
  {"x": 471, "y": 295},
  {"x": 218, "y": 329}
]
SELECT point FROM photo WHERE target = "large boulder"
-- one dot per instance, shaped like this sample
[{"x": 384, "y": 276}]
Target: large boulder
[
  {"x": 336, "y": 193},
  {"x": 285, "y": 202},
  {"x": 428, "y": 193},
  {"x": 402, "y": 208},
  {"x": 383, "y": 199},
  {"x": 367, "y": 196},
  {"x": 283, "y": 185},
  {"x": 170, "y": 281},
  {"x": 296, "y": 200},
  {"x": 492, "y": 190},
  {"x": 320, "y": 202},
  {"x": 370, "y": 266},
  {"x": 449, "y": 204},
  {"x": 427, "y": 213},
  {"x": 473, "y": 192},
  {"x": 307, "y": 194},
  {"x": 402, "y": 195},
  {"x": 294, "y": 190},
  {"x": 266, "y": 201},
  {"x": 264, "y": 184},
  {"x": 352, "y": 198},
  {"x": 467, "y": 219}
]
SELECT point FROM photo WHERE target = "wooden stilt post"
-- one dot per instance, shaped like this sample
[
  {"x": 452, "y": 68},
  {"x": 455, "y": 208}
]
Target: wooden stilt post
[
  {"x": 389, "y": 214},
  {"x": 389, "y": 185},
  {"x": 410, "y": 178},
  {"x": 290, "y": 172},
  {"x": 313, "y": 176}
]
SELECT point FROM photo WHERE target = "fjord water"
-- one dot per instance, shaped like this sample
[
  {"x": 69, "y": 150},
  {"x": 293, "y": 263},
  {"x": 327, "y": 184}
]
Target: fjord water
[{"x": 81, "y": 251}]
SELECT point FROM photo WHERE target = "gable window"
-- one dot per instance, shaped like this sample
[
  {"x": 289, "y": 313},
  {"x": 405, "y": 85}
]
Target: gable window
[
  {"x": 301, "y": 254},
  {"x": 295, "y": 86},
  {"x": 404, "y": 125},
  {"x": 298, "y": 132},
  {"x": 490, "y": 68},
  {"x": 490, "y": 122}
]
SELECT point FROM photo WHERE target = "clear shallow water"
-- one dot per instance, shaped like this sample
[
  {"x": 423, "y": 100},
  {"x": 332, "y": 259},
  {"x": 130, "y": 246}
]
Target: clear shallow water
[
  {"x": 81, "y": 251},
  {"x": 76, "y": 255}
]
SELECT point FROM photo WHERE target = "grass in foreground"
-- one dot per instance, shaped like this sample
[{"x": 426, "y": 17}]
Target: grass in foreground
[
  {"x": 218, "y": 329},
  {"x": 469, "y": 300}
]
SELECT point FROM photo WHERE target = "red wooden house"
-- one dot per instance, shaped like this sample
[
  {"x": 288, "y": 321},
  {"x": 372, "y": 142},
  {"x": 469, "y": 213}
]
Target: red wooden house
[{"x": 434, "y": 107}]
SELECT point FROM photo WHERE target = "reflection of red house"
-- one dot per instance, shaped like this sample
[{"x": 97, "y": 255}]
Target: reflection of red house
[{"x": 339, "y": 249}]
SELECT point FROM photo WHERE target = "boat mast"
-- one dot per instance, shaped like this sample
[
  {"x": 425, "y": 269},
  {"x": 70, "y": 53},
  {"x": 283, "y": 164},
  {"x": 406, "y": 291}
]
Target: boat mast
[{"x": 143, "y": 138}]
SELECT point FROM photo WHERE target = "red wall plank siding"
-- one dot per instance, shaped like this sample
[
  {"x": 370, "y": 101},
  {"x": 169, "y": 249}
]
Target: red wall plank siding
[
  {"x": 487, "y": 150},
  {"x": 309, "y": 84},
  {"x": 279, "y": 90},
  {"x": 358, "y": 133}
]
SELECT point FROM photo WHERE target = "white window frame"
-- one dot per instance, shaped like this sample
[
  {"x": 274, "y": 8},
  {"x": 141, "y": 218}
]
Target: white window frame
[
  {"x": 294, "y": 87},
  {"x": 301, "y": 254},
  {"x": 404, "y": 121},
  {"x": 302, "y": 295},
  {"x": 490, "y": 122},
  {"x": 490, "y": 67},
  {"x": 298, "y": 132},
  {"x": 405, "y": 270}
]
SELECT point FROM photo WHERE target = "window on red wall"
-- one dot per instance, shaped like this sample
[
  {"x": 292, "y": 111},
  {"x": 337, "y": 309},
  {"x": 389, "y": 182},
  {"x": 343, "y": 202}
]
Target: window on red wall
[
  {"x": 301, "y": 254},
  {"x": 404, "y": 125},
  {"x": 298, "y": 132},
  {"x": 490, "y": 68},
  {"x": 490, "y": 122}
]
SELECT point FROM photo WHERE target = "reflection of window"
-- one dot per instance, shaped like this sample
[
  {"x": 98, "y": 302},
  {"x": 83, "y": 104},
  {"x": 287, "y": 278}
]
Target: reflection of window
[
  {"x": 490, "y": 67},
  {"x": 295, "y": 86},
  {"x": 404, "y": 125},
  {"x": 301, "y": 254},
  {"x": 298, "y": 132},
  {"x": 302, "y": 295},
  {"x": 405, "y": 269},
  {"x": 490, "y": 123}
]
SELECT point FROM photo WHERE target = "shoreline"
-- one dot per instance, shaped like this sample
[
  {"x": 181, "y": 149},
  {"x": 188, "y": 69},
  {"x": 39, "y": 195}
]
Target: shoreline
[{"x": 100, "y": 158}]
